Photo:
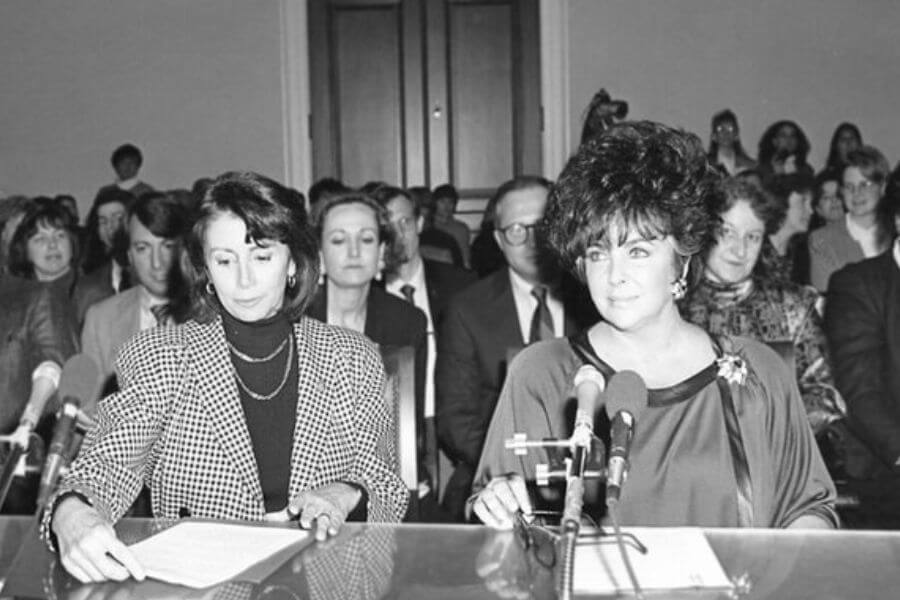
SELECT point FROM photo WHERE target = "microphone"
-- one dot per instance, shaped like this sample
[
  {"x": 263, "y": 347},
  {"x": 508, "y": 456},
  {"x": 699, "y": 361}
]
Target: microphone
[
  {"x": 589, "y": 384},
  {"x": 78, "y": 381},
  {"x": 626, "y": 398}
]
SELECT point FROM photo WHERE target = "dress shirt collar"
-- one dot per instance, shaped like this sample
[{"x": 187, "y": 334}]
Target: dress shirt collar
[{"x": 897, "y": 251}]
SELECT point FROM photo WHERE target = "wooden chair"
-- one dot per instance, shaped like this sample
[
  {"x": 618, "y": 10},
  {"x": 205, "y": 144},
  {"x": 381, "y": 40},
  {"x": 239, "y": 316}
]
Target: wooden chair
[{"x": 400, "y": 397}]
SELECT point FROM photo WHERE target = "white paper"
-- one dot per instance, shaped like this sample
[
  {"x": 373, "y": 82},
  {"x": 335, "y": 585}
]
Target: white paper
[
  {"x": 676, "y": 559},
  {"x": 199, "y": 554}
]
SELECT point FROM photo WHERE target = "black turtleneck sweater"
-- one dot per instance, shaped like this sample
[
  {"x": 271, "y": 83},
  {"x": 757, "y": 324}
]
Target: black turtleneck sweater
[{"x": 270, "y": 422}]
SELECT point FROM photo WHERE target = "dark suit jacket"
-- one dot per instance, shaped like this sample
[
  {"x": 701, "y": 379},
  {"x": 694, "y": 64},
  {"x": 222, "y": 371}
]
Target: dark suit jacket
[
  {"x": 390, "y": 321},
  {"x": 443, "y": 281},
  {"x": 862, "y": 322},
  {"x": 479, "y": 328}
]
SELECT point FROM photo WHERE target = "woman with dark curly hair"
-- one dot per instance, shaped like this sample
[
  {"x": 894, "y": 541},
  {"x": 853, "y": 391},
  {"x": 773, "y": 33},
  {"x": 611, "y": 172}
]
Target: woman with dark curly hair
[
  {"x": 248, "y": 411},
  {"x": 740, "y": 295},
  {"x": 845, "y": 139},
  {"x": 783, "y": 149},
  {"x": 723, "y": 441}
]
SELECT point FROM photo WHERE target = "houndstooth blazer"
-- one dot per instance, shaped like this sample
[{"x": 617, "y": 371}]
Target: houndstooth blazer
[{"x": 177, "y": 425}]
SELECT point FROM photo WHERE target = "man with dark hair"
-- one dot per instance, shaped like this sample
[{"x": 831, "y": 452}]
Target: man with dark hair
[
  {"x": 155, "y": 226},
  {"x": 491, "y": 320},
  {"x": 425, "y": 283},
  {"x": 126, "y": 161},
  {"x": 862, "y": 323}
]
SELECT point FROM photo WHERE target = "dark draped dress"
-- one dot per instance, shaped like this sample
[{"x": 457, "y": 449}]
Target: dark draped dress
[{"x": 683, "y": 471}]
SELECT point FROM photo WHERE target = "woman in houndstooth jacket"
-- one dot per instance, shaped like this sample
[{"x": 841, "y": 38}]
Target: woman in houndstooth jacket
[{"x": 208, "y": 409}]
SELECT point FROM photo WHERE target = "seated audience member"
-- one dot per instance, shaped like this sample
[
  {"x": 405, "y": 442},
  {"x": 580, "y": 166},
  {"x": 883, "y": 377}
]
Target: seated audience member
[
  {"x": 354, "y": 234},
  {"x": 39, "y": 335},
  {"x": 485, "y": 254},
  {"x": 155, "y": 226},
  {"x": 846, "y": 139},
  {"x": 126, "y": 161},
  {"x": 862, "y": 322},
  {"x": 785, "y": 251},
  {"x": 725, "y": 148},
  {"x": 783, "y": 149},
  {"x": 198, "y": 190},
  {"x": 434, "y": 244},
  {"x": 724, "y": 440},
  {"x": 828, "y": 204},
  {"x": 863, "y": 232},
  {"x": 245, "y": 379},
  {"x": 519, "y": 305},
  {"x": 445, "y": 199},
  {"x": 738, "y": 295},
  {"x": 68, "y": 202},
  {"x": 322, "y": 189},
  {"x": 426, "y": 284}
]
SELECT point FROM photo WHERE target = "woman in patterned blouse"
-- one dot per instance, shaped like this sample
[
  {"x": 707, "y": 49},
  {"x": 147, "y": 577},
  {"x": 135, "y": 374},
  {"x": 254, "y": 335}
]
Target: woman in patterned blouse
[{"x": 738, "y": 295}]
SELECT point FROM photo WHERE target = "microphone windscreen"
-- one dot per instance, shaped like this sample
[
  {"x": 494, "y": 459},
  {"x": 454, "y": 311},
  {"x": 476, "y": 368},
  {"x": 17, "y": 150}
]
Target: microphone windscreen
[
  {"x": 626, "y": 391},
  {"x": 589, "y": 373},
  {"x": 80, "y": 379}
]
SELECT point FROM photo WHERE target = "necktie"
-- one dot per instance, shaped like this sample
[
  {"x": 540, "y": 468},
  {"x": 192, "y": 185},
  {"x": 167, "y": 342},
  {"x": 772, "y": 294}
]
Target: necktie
[
  {"x": 408, "y": 292},
  {"x": 542, "y": 320},
  {"x": 160, "y": 313}
]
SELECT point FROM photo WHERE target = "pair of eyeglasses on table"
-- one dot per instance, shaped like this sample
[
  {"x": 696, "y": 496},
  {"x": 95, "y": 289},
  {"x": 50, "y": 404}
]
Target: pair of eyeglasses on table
[{"x": 540, "y": 532}]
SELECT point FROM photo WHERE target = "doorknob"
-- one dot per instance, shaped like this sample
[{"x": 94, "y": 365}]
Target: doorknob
[{"x": 437, "y": 112}]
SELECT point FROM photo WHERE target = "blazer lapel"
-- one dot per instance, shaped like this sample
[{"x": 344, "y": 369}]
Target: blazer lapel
[
  {"x": 313, "y": 417},
  {"x": 219, "y": 394}
]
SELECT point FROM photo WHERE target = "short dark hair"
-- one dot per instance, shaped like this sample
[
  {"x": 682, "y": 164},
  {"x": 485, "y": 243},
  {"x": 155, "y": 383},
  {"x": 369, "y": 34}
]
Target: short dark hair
[
  {"x": 446, "y": 190},
  {"x": 324, "y": 187},
  {"x": 519, "y": 182},
  {"x": 639, "y": 173},
  {"x": 780, "y": 187},
  {"x": 40, "y": 211},
  {"x": 162, "y": 214},
  {"x": 127, "y": 151},
  {"x": 270, "y": 213},
  {"x": 766, "y": 206}
]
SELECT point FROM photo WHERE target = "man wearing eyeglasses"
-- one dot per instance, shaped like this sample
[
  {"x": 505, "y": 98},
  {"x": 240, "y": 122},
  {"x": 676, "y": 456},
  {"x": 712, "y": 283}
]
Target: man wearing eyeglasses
[{"x": 491, "y": 320}]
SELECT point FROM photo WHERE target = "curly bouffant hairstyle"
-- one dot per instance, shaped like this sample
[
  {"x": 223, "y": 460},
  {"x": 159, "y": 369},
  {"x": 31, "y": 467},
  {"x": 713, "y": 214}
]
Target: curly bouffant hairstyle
[{"x": 640, "y": 175}]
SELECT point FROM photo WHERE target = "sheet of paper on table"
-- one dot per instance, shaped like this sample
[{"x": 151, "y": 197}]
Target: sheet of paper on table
[
  {"x": 676, "y": 559},
  {"x": 199, "y": 554}
]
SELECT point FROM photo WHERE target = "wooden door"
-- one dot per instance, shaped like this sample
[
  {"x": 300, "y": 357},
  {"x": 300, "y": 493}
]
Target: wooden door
[{"x": 426, "y": 92}]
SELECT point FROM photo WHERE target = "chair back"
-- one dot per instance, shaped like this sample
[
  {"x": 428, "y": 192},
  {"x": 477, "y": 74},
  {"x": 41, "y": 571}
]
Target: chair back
[{"x": 400, "y": 397}]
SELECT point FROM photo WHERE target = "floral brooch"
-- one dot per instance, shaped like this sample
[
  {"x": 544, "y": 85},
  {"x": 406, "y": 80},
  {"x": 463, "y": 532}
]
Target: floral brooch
[{"x": 732, "y": 368}]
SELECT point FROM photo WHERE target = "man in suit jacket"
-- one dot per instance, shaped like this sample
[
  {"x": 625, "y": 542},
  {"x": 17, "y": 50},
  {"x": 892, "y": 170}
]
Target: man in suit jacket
[
  {"x": 155, "y": 226},
  {"x": 426, "y": 284},
  {"x": 492, "y": 319}
]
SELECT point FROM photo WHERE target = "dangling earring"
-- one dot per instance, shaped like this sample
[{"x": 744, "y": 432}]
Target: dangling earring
[
  {"x": 209, "y": 288},
  {"x": 291, "y": 281},
  {"x": 679, "y": 288}
]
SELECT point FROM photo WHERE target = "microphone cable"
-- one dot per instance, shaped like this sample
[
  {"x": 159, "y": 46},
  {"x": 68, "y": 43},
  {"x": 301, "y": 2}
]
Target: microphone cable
[{"x": 612, "y": 506}]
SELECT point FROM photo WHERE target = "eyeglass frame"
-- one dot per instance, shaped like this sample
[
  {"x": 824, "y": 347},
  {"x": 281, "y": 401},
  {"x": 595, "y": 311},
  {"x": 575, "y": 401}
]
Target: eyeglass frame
[
  {"x": 529, "y": 232},
  {"x": 850, "y": 189}
]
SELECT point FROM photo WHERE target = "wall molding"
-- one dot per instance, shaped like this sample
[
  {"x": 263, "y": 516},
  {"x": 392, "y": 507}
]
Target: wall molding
[
  {"x": 295, "y": 94},
  {"x": 555, "y": 90}
]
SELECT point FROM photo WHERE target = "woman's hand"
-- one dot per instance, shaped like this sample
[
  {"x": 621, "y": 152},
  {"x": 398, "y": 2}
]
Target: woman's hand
[
  {"x": 497, "y": 504},
  {"x": 88, "y": 546},
  {"x": 324, "y": 509}
]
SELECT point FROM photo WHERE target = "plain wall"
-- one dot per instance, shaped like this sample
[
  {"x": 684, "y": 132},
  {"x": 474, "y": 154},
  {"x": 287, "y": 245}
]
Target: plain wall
[
  {"x": 195, "y": 84},
  {"x": 818, "y": 62}
]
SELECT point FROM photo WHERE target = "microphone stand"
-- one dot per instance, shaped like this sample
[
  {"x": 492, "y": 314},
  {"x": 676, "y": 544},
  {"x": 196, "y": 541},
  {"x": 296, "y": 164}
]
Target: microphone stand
[{"x": 575, "y": 472}]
